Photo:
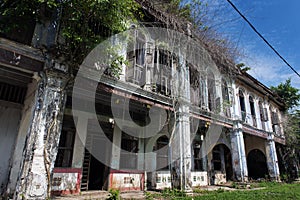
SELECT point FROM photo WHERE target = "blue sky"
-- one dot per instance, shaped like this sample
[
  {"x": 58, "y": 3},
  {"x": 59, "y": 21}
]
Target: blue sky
[{"x": 278, "y": 21}]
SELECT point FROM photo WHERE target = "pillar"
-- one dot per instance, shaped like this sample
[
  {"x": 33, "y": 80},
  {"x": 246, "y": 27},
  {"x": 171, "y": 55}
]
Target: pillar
[
  {"x": 43, "y": 136},
  {"x": 181, "y": 138},
  {"x": 80, "y": 139},
  {"x": 116, "y": 148},
  {"x": 272, "y": 161},
  {"x": 239, "y": 161}
]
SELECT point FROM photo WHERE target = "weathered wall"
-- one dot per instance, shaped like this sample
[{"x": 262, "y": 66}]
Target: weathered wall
[
  {"x": 43, "y": 138},
  {"x": 252, "y": 142},
  {"x": 20, "y": 141},
  {"x": 10, "y": 115}
]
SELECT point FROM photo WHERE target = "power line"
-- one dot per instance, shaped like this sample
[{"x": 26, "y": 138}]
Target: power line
[{"x": 262, "y": 37}]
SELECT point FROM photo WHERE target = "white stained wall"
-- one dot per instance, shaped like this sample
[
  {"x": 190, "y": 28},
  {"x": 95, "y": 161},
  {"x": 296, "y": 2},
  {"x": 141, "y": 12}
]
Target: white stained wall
[{"x": 10, "y": 115}]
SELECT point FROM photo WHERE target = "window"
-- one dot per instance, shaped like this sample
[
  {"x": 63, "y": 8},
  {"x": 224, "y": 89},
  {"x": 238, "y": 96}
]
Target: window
[
  {"x": 211, "y": 91},
  {"x": 162, "y": 71},
  {"x": 136, "y": 56},
  {"x": 65, "y": 149},
  {"x": 242, "y": 105},
  {"x": 252, "y": 110},
  {"x": 225, "y": 92},
  {"x": 12, "y": 93},
  {"x": 162, "y": 153},
  {"x": 275, "y": 123},
  {"x": 263, "y": 115},
  {"x": 198, "y": 162},
  {"x": 129, "y": 150}
]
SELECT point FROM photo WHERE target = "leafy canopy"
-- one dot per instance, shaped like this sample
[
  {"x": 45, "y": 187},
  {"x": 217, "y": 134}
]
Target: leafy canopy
[
  {"x": 288, "y": 93},
  {"x": 83, "y": 23}
]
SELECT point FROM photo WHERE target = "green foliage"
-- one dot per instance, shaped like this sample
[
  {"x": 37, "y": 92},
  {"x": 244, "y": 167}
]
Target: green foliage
[
  {"x": 271, "y": 191},
  {"x": 83, "y": 23},
  {"x": 114, "y": 194},
  {"x": 288, "y": 93},
  {"x": 291, "y": 151},
  {"x": 243, "y": 67},
  {"x": 173, "y": 193}
]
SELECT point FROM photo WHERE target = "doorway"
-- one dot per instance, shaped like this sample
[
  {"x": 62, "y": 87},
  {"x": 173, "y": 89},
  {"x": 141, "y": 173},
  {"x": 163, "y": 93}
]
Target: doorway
[
  {"x": 95, "y": 171},
  {"x": 257, "y": 164}
]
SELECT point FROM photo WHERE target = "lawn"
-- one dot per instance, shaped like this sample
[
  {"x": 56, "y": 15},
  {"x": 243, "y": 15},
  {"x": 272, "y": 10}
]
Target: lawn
[{"x": 271, "y": 191}]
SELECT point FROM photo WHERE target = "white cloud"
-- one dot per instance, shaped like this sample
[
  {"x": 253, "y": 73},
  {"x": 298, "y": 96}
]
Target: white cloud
[{"x": 270, "y": 70}]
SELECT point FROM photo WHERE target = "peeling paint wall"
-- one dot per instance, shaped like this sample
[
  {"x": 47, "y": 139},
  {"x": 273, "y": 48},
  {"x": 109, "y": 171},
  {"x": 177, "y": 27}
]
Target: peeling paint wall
[
  {"x": 199, "y": 179},
  {"x": 66, "y": 181},
  {"x": 163, "y": 180},
  {"x": 43, "y": 138},
  {"x": 126, "y": 181},
  {"x": 252, "y": 142}
]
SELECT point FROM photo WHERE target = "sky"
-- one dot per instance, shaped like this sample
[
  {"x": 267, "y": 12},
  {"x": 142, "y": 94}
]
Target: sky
[{"x": 278, "y": 21}]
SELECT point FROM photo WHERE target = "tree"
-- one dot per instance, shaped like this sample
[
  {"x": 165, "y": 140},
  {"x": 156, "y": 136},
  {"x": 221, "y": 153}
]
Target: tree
[
  {"x": 291, "y": 151},
  {"x": 289, "y": 94},
  {"x": 83, "y": 23}
]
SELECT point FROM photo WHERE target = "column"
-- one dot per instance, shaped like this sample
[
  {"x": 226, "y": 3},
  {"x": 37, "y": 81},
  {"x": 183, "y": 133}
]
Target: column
[
  {"x": 180, "y": 141},
  {"x": 272, "y": 161},
  {"x": 80, "y": 138},
  {"x": 239, "y": 161},
  {"x": 116, "y": 148},
  {"x": 43, "y": 137}
]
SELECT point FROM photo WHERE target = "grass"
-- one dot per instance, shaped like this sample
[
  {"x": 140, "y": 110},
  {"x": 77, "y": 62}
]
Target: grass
[
  {"x": 269, "y": 191},
  {"x": 272, "y": 191}
]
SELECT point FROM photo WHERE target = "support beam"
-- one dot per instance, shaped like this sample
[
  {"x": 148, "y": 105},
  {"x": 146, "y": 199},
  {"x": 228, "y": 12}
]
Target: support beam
[
  {"x": 80, "y": 139},
  {"x": 239, "y": 161},
  {"x": 272, "y": 161},
  {"x": 181, "y": 138},
  {"x": 43, "y": 137},
  {"x": 116, "y": 148}
]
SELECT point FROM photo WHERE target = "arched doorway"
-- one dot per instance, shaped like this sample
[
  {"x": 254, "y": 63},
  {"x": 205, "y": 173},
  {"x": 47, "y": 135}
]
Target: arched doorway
[
  {"x": 257, "y": 165},
  {"x": 222, "y": 161}
]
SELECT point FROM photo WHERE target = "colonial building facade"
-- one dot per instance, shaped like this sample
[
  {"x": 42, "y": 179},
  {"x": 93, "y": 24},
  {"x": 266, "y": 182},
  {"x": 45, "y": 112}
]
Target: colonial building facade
[{"x": 171, "y": 119}]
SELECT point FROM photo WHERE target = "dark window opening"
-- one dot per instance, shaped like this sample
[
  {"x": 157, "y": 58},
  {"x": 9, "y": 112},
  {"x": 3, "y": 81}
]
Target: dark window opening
[
  {"x": 12, "y": 93},
  {"x": 66, "y": 144},
  {"x": 129, "y": 150},
  {"x": 262, "y": 115},
  {"x": 162, "y": 153},
  {"x": 242, "y": 105},
  {"x": 225, "y": 92},
  {"x": 211, "y": 92},
  {"x": 198, "y": 162},
  {"x": 252, "y": 110},
  {"x": 162, "y": 71}
]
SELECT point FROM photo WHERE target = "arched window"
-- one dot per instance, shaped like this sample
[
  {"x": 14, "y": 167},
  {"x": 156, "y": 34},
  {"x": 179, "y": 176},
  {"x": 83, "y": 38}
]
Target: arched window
[
  {"x": 242, "y": 105},
  {"x": 225, "y": 97},
  {"x": 225, "y": 92},
  {"x": 252, "y": 110},
  {"x": 263, "y": 115},
  {"x": 211, "y": 88}
]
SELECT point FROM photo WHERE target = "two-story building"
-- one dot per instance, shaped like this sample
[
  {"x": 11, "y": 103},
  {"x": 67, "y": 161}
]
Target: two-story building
[{"x": 176, "y": 116}]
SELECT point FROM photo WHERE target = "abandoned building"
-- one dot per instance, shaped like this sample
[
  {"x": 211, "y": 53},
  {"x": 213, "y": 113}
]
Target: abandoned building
[{"x": 45, "y": 144}]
